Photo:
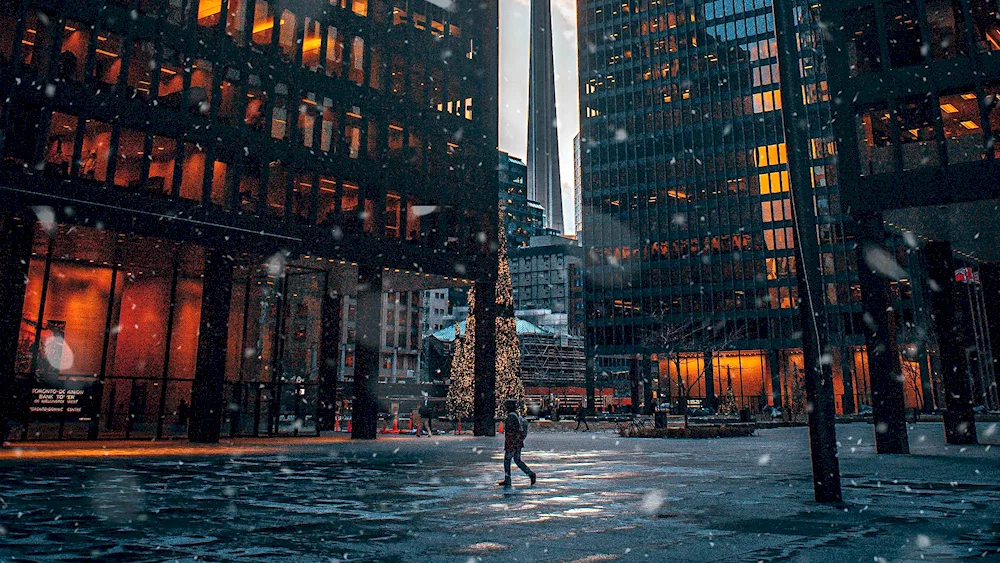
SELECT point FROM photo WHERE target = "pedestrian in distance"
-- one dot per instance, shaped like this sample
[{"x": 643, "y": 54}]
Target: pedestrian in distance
[
  {"x": 426, "y": 416},
  {"x": 515, "y": 430},
  {"x": 581, "y": 416}
]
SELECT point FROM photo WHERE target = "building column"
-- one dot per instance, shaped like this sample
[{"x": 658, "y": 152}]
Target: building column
[
  {"x": 709, "y": 380},
  {"x": 989, "y": 277},
  {"x": 329, "y": 357},
  {"x": 647, "y": 379},
  {"x": 367, "y": 352},
  {"x": 588, "y": 376},
  {"x": 888, "y": 402},
  {"x": 847, "y": 378},
  {"x": 959, "y": 420},
  {"x": 920, "y": 318},
  {"x": 774, "y": 369},
  {"x": 213, "y": 337},
  {"x": 15, "y": 253},
  {"x": 485, "y": 384},
  {"x": 633, "y": 382}
]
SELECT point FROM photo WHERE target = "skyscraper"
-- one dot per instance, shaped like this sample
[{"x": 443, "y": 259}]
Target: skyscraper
[
  {"x": 543, "y": 146},
  {"x": 686, "y": 209}
]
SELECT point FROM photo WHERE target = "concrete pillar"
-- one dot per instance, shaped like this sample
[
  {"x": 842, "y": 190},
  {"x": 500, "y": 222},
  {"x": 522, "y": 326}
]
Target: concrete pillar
[
  {"x": 484, "y": 415},
  {"x": 367, "y": 352},
  {"x": 959, "y": 421},
  {"x": 884, "y": 369},
  {"x": 989, "y": 277},
  {"x": 213, "y": 336},
  {"x": 329, "y": 358},
  {"x": 15, "y": 253}
]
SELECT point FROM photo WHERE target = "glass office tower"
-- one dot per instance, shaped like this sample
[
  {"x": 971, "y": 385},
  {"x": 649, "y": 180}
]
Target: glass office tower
[{"x": 686, "y": 204}]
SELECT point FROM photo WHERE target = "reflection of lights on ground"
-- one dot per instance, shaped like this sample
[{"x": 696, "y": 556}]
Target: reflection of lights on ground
[{"x": 63, "y": 450}]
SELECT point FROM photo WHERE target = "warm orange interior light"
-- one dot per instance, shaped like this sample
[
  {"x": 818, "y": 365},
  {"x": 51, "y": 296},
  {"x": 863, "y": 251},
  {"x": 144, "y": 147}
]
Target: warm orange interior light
[
  {"x": 969, "y": 124},
  {"x": 208, "y": 8},
  {"x": 948, "y": 108},
  {"x": 263, "y": 25}
]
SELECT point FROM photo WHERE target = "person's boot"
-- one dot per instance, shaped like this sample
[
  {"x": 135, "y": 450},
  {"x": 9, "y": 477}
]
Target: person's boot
[
  {"x": 533, "y": 477},
  {"x": 505, "y": 483}
]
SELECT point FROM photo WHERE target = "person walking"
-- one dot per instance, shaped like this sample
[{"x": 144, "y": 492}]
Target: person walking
[
  {"x": 515, "y": 430},
  {"x": 426, "y": 418},
  {"x": 581, "y": 416}
]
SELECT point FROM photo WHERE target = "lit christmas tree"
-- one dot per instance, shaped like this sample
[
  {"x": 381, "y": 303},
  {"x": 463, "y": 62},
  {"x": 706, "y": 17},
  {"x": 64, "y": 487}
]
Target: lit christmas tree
[
  {"x": 728, "y": 405},
  {"x": 463, "y": 362},
  {"x": 509, "y": 384}
]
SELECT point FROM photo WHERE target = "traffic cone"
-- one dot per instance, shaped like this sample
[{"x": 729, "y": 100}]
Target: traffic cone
[
  {"x": 500, "y": 430},
  {"x": 336, "y": 424},
  {"x": 349, "y": 426},
  {"x": 459, "y": 430}
]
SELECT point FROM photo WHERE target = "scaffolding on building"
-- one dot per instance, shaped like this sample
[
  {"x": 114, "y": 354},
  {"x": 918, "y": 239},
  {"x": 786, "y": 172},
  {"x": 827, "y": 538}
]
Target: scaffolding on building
[{"x": 552, "y": 360}]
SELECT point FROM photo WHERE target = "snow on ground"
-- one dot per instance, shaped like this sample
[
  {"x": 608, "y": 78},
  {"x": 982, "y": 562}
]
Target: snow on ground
[{"x": 599, "y": 498}]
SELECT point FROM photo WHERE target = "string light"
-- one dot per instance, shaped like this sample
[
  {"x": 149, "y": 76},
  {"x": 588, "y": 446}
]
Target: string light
[
  {"x": 463, "y": 361},
  {"x": 509, "y": 385}
]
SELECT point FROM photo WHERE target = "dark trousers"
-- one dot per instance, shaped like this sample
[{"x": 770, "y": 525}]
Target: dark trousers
[
  {"x": 516, "y": 456},
  {"x": 584, "y": 421}
]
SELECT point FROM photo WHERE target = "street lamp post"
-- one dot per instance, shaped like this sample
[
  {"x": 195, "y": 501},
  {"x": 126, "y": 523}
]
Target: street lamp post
[{"x": 818, "y": 373}]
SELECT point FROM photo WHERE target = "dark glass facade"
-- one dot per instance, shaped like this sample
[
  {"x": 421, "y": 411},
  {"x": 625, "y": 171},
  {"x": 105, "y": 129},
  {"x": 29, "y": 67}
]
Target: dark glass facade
[
  {"x": 917, "y": 140},
  {"x": 686, "y": 209},
  {"x": 523, "y": 217},
  {"x": 145, "y": 142}
]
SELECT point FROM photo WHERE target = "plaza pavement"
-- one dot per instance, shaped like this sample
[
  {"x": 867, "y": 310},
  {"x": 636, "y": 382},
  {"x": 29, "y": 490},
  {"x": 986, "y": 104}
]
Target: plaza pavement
[{"x": 599, "y": 498}]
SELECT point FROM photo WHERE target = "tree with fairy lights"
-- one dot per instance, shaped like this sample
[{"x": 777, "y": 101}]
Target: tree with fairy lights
[
  {"x": 729, "y": 406},
  {"x": 463, "y": 362},
  {"x": 509, "y": 385}
]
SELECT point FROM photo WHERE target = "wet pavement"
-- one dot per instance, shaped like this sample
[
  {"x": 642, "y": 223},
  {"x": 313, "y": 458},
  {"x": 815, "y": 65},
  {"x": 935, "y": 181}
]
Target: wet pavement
[{"x": 598, "y": 498}]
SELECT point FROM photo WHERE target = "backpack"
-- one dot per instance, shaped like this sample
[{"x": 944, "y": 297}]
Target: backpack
[{"x": 524, "y": 425}]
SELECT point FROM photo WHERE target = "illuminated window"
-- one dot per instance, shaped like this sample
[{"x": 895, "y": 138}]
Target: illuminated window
[
  {"x": 963, "y": 132},
  {"x": 773, "y": 182},
  {"x": 107, "y": 58},
  {"x": 985, "y": 24},
  {"x": 161, "y": 165},
  {"x": 356, "y": 70},
  {"x": 59, "y": 143},
  {"x": 917, "y": 136},
  {"x": 73, "y": 52},
  {"x": 875, "y": 142},
  {"x": 209, "y": 12},
  {"x": 131, "y": 157},
  {"x": 311, "y": 44},
  {"x": 263, "y": 22}
]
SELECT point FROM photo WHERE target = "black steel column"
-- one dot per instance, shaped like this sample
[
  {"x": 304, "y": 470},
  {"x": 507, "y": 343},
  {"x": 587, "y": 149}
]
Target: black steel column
[
  {"x": 367, "y": 349},
  {"x": 774, "y": 368},
  {"x": 847, "y": 378},
  {"x": 818, "y": 374},
  {"x": 647, "y": 390},
  {"x": 15, "y": 253},
  {"x": 709, "y": 372},
  {"x": 213, "y": 337},
  {"x": 989, "y": 276},
  {"x": 329, "y": 358},
  {"x": 959, "y": 420},
  {"x": 589, "y": 383},
  {"x": 484, "y": 415},
  {"x": 633, "y": 380},
  {"x": 923, "y": 332},
  {"x": 884, "y": 369}
]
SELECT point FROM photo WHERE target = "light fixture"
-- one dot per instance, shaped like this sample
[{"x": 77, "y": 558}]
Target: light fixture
[{"x": 948, "y": 108}]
